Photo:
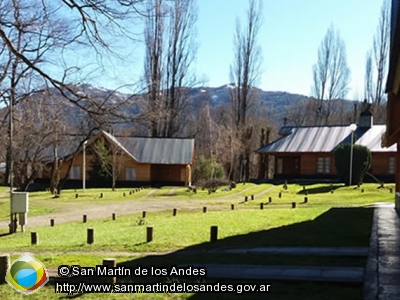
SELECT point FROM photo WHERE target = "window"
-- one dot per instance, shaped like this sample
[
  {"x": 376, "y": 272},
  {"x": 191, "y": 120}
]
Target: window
[
  {"x": 323, "y": 165},
  {"x": 130, "y": 174},
  {"x": 327, "y": 165},
  {"x": 392, "y": 165},
  {"x": 75, "y": 172}
]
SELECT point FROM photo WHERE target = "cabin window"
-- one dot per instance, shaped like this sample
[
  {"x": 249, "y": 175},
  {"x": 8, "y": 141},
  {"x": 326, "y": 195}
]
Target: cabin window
[
  {"x": 392, "y": 165},
  {"x": 323, "y": 165},
  {"x": 75, "y": 172},
  {"x": 130, "y": 174}
]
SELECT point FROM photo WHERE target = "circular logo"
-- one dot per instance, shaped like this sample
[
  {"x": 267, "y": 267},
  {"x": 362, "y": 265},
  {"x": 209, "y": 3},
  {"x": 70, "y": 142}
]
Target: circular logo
[{"x": 27, "y": 274}]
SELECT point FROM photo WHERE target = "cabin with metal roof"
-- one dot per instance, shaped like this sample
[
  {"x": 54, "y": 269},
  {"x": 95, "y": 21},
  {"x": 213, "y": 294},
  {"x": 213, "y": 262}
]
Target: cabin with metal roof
[
  {"x": 140, "y": 160},
  {"x": 308, "y": 152}
]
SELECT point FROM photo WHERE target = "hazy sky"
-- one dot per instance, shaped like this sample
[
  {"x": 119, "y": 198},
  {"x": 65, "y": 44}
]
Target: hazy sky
[{"x": 290, "y": 36}]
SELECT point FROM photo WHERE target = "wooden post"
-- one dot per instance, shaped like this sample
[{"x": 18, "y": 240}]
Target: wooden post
[
  {"x": 204, "y": 209},
  {"x": 391, "y": 190},
  {"x": 252, "y": 197},
  {"x": 174, "y": 211},
  {"x": 304, "y": 187},
  {"x": 149, "y": 234},
  {"x": 362, "y": 190},
  {"x": 109, "y": 263},
  {"x": 213, "y": 234},
  {"x": 113, "y": 216},
  {"x": 34, "y": 238},
  {"x": 245, "y": 198},
  {"x": 84, "y": 218},
  {"x": 52, "y": 222},
  {"x": 305, "y": 199},
  {"x": 261, "y": 205},
  {"x": 143, "y": 214},
  {"x": 293, "y": 204},
  {"x": 232, "y": 206},
  {"x": 280, "y": 194},
  {"x": 4, "y": 265},
  {"x": 124, "y": 194},
  {"x": 306, "y": 192},
  {"x": 76, "y": 195},
  {"x": 130, "y": 192},
  {"x": 101, "y": 195},
  {"x": 269, "y": 199},
  {"x": 90, "y": 235}
]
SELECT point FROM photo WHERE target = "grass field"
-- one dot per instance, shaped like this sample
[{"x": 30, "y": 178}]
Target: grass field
[
  {"x": 341, "y": 218},
  {"x": 312, "y": 226}
]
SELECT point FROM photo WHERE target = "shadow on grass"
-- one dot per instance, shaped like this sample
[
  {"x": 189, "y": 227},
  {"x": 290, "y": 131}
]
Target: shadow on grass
[
  {"x": 338, "y": 227},
  {"x": 320, "y": 190}
]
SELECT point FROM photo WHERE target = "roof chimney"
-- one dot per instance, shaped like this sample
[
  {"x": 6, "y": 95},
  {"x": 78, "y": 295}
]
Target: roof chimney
[{"x": 366, "y": 118}]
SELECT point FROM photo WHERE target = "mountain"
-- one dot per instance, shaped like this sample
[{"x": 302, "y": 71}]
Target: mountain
[{"x": 275, "y": 106}]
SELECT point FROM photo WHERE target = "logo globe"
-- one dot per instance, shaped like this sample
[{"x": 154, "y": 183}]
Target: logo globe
[{"x": 27, "y": 274}]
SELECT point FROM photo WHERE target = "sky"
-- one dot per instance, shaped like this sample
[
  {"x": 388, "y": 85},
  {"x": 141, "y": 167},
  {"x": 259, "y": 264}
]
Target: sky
[{"x": 291, "y": 34}]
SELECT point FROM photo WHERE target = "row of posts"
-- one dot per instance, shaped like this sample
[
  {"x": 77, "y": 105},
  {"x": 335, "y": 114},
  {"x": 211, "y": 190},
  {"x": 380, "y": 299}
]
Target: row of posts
[
  {"x": 149, "y": 235},
  {"x": 175, "y": 211},
  {"x": 124, "y": 193}
]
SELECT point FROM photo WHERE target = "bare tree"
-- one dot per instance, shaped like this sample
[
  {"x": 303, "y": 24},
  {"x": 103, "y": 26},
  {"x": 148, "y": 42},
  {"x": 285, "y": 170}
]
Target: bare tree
[
  {"x": 180, "y": 55},
  {"x": 34, "y": 135},
  {"x": 368, "y": 80},
  {"x": 153, "y": 68},
  {"x": 170, "y": 50},
  {"x": 331, "y": 74},
  {"x": 376, "y": 64},
  {"x": 381, "y": 50},
  {"x": 245, "y": 73}
]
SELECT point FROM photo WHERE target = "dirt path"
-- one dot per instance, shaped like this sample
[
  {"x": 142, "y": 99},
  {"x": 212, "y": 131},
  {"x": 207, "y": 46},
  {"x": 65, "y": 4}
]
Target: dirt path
[{"x": 75, "y": 211}]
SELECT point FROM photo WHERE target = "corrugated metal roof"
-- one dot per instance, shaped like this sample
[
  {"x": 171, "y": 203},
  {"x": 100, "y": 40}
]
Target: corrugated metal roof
[
  {"x": 326, "y": 139},
  {"x": 115, "y": 141},
  {"x": 141, "y": 149},
  {"x": 159, "y": 150},
  {"x": 372, "y": 139}
]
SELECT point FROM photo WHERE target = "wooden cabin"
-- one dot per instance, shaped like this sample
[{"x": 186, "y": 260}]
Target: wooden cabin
[
  {"x": 307, "y": 152},
  {"x": 139, "y": 160}
]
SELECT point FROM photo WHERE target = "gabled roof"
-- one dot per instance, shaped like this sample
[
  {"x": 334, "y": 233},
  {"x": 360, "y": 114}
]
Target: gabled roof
[
  {"x": 140, "y": 149},
  {"x": 372, "y": 139},
  {"x": 159, "y": 150},
  {"x": 114, "y": 140},
  {"x": 325, "y": 139}
]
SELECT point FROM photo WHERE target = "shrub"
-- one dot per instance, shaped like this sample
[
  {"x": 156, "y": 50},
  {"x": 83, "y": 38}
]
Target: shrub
[
  {"x": 361, "y": 163},
  {"x": 207, "y": 168}
]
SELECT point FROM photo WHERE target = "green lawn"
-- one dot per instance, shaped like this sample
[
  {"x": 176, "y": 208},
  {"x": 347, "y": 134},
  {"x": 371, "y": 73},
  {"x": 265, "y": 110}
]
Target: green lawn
[
  {"x": 42, "y": 203},
  {"x": 312, "y": 226},
  {"x": 320, "y": 194},
  {"x": 339, "y": 219}
]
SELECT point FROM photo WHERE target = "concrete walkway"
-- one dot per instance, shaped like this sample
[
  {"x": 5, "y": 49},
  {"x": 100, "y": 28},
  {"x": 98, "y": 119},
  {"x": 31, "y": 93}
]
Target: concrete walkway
[{"x": 382, "y": 274}]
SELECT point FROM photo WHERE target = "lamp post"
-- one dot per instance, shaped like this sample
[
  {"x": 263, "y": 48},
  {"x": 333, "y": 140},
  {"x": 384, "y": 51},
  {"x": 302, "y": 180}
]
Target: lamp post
[
  {"x": 84, "y": 166},
  {"x": 353, "y": 128}
]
